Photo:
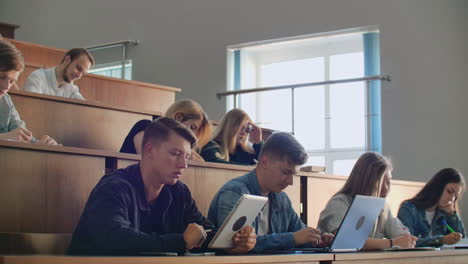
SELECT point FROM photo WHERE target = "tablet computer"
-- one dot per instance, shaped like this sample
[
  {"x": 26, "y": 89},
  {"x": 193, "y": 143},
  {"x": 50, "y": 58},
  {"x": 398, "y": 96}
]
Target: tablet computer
[{"x": 244, "y": 213}]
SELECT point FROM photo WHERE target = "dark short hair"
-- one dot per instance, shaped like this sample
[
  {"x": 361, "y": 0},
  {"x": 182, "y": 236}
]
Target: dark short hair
[
  {"x": 160, "y": 130},
  {"x": 284, "y": 146},
  {"x": 11, "y": 58},
  {"x": 77, "y": 52}
]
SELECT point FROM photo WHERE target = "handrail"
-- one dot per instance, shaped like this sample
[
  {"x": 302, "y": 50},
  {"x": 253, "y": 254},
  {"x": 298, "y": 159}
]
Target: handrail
[
  {"x": 122, "y": 43},
  {"x": 113, "y": 44},
  {"x": 367, "y": 79},
  {"x": 292, "y": 86}
]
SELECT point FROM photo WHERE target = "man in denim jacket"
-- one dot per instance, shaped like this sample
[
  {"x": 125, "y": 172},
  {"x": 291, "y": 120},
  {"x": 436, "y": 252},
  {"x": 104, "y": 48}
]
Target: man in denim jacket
[{"x": 277, "y": 226}]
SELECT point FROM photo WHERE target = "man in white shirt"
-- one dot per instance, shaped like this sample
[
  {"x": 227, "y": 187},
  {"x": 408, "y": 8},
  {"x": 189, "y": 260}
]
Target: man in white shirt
[{"x": 58, "y": 81}]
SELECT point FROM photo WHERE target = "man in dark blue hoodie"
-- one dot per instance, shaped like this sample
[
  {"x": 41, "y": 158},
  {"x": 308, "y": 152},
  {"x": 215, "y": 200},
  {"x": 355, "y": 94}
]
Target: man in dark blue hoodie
[{"x": 144, "y": 207}]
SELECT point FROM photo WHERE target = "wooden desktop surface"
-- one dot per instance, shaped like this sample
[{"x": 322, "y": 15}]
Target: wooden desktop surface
[
  {"x": 404, "y": 257},
  {"x": 412, "y": 257},
  {"x": 45, "y": 259}
]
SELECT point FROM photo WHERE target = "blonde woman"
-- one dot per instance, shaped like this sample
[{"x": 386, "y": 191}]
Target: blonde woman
[
  {"x": 370, "y": 176},
  {"x": 187, "y": 112},
  {"x": 232, "y": 140}
]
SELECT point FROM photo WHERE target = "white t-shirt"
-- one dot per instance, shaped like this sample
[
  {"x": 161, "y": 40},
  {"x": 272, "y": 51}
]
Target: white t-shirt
[
  {"x": 263, "y": 220},
  {"x": 43, "y": 81},
  {"x": 430, "y": 217}
]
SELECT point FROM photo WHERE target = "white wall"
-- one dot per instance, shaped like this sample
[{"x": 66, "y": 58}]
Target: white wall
[{"x": 183, "y": 44}]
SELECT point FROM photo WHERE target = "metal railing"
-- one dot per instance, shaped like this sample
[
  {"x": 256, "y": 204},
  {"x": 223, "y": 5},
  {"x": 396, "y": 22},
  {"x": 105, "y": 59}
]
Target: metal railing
[
  {"x": 122, "y": 43},
  {"x": 367, "y": 79}
]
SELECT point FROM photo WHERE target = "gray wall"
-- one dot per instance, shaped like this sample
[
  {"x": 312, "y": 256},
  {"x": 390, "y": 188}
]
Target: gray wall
[{"x": 183, "y": 44}]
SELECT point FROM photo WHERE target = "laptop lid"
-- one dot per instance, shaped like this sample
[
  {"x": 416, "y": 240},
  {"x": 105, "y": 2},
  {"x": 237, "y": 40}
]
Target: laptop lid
[{"x": 357, "y": 223}]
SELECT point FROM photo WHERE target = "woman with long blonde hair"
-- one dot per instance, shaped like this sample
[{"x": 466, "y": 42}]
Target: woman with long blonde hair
[
  {"x": 189, "y": 113},
  {"x": 370, "y": 176},
  {"x": 232, "y": 140}
]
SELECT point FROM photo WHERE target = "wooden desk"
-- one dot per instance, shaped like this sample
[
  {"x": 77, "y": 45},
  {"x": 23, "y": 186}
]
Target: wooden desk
[
  {"x": 77, "y": 123},
  {"x": 404, "y": 257},
  {"x": 96, "y": 88},
  {"x": 43, "y": 189},
  {"x": 47, "y": 259}
]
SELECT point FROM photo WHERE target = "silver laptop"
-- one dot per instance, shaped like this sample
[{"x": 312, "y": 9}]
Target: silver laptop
[
  {"x": 353, "y": 230},
  {"x": 357, "y": 223}
]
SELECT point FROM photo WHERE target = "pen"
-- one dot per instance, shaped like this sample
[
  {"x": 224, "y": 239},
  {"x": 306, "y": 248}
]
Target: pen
[{"x": 448, "y": 227}]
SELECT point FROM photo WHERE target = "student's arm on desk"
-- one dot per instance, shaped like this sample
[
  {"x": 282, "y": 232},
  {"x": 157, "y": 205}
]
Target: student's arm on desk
[
  {"x": 193, "y": 215},
  {"x": 77, "y": 95},
  {"x": 286, "y": 239},
  {"x": 408, "y": 217}
]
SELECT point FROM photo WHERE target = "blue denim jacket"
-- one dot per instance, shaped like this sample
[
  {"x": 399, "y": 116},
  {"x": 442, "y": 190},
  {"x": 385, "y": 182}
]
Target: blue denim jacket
[
  {"x": 415, "y": 219},
  {"x": 283, "y": 219}
]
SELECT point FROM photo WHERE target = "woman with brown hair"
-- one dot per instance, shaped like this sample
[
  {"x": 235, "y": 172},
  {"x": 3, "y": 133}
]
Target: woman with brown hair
[
  {"x": 232, "y": 140},
  {"x": 432, "y": 213},
  {"x": 371, "y": 176}
]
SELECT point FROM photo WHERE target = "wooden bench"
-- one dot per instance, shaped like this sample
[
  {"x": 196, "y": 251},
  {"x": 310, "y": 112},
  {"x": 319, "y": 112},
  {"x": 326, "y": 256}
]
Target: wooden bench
[
  {"x": 77, "y": 123},
  {"x": 96, "y": 88}
]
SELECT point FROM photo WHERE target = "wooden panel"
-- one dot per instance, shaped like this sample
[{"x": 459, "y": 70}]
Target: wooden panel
[
  {"x": 75, "y": 124},
  {"x": 319, "y": 191},
  {"x": 400, "y": 191},
  {"x": 133, "y": 94},
  {"x": 204, "y": 180},
  {"x": 39, "y": 55},
  {"x": 34, "y": 243},
  {"x": 45, "y": 192},
  {"x": 321, "y": 188},
  {"x": 403, "y": 257}
]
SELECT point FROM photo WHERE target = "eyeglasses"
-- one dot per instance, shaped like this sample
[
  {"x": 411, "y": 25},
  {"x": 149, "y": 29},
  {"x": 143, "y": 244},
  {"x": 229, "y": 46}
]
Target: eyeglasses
[{"x": 247, "y": 129}]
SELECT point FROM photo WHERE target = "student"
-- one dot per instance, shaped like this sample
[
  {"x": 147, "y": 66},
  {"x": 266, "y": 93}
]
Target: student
[
  {"x": 188, "y": 112},
  {"x": 230, "y": 143},
  {"x": 11, "y": 126},
  {"x": 429, "y": 213},
  {"x": 370, "y": 176},
  {"x": 58, "y": 81},
  {"x": 278, "y": 226},
  {"x": 144, "y": 207}
]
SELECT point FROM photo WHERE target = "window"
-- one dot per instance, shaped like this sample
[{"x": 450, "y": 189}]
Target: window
[
  {"x": 331, "y": 121},
  {"x": 113, "y": 70}
]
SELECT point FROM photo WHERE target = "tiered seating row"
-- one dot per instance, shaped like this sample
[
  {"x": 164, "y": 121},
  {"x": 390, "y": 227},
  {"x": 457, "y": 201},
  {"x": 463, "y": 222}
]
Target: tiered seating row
[
  {"x": 49, "y": 194},
  {"x": 77, "y": 123},
  {"x": 136, "y": 95}
]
